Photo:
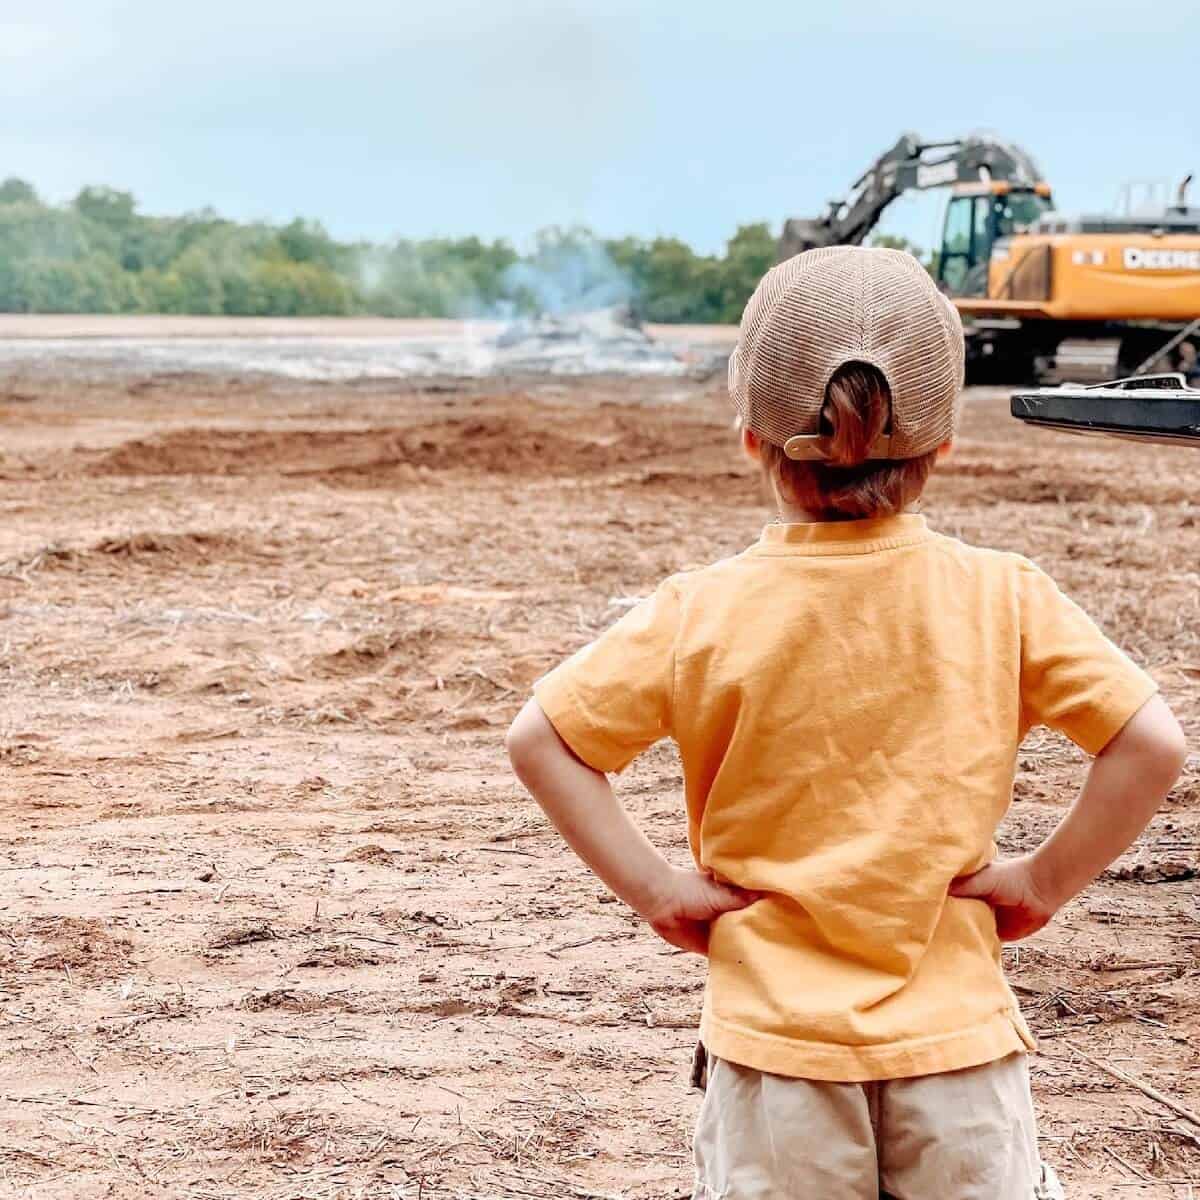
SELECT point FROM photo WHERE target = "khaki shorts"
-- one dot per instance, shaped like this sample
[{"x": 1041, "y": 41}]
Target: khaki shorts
[{"x": 964, "y": 1135}]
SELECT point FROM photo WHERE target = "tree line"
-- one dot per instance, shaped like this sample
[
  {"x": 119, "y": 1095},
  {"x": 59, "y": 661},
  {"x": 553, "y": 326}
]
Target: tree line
[{"x": 99, "y": 254}]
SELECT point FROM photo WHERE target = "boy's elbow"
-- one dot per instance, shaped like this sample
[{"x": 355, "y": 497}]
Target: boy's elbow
[
  {"x": 534, "y": 746},
  {"x": 525, "y": 737},
  {"x": 1156, "y": 738},
  {"x": 1172, "y": 747},
  {"x": 516, "y": 742}
]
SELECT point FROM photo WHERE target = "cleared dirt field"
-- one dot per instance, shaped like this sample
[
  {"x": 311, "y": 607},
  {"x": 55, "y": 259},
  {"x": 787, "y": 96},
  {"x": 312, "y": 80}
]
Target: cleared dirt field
[
  {"x": 39, "y": 326},
  {"x": 275, "y": 920}
]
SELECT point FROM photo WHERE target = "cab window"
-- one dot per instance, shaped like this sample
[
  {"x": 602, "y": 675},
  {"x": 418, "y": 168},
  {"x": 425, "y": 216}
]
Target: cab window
[
  {"x": 1017, "y": 211},
  {"x": 956, "y": 242},
  {"x": 981, "y": 242}
]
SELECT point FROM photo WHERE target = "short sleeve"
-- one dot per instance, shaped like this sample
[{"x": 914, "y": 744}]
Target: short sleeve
[
  {"x": 1073, "y": 679},
  {"x": 613, "y": 699}
]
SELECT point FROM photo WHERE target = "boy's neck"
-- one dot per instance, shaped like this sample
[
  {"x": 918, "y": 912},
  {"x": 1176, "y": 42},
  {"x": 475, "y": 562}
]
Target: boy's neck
[
  {"x": 789, "y": 514},
  {"x": 802, "y": 516}
]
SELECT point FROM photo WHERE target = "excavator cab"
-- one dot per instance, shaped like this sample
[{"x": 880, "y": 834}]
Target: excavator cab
[{"x": 977, "y": 216}]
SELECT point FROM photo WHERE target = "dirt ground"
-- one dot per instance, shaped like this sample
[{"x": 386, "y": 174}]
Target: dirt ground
[
  {"x": 275, "y": 919},
  {"x": 38, "y": 326}
]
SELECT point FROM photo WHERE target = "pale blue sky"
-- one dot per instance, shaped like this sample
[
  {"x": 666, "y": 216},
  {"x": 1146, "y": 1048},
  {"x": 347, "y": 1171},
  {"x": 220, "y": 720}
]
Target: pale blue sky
[{"x": 497, "y": 117}]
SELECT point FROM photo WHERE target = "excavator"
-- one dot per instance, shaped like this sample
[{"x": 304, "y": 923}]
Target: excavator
[{"x": 1044, "y": 297}]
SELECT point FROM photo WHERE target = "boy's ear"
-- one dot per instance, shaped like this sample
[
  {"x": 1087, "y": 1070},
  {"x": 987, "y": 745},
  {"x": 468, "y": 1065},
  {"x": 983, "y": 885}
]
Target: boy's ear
[
  {"x": 944, "y": 449},
  {"x": 751, "y": 444}
]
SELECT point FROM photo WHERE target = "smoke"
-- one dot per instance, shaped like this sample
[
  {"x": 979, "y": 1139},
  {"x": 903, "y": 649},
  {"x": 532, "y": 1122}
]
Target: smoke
[
  {"x": 568, "y": 272},
  {"x": 564, "y": 272},
  {"x": 370, "y": 264}
]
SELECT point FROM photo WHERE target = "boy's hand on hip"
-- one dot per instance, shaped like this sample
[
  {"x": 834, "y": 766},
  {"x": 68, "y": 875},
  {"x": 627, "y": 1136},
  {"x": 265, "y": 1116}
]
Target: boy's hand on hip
[
  {"x": 1010, "y": 888},
  {"x": 684, "y": 911}
]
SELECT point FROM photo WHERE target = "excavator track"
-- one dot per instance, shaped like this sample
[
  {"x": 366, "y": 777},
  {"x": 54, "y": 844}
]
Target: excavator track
[{"x": 1079, "y": 360}]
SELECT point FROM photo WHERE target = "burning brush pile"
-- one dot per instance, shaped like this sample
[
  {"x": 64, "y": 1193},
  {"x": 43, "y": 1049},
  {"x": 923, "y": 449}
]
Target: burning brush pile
[{"x": 604, "y": 341}]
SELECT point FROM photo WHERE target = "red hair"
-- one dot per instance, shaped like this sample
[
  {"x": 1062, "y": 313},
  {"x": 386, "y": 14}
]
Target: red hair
[{"x": 857, "y": 410}]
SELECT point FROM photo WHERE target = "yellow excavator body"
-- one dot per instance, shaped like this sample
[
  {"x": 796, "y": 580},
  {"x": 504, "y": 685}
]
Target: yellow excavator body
[
  {"x": 1043, "y": 294},
  {"x": 1131, "y": 276}
]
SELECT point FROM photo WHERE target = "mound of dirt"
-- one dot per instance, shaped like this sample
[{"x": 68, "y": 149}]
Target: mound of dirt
[
  {"x": 394, "y": 652},
  {"x": 173, "y": 548},
  {"x": 295, "y": 1000},
  {"x": 173, "y": 545},
  {"x": 366, "y": 655},
  {"x": 340, "y": 954},
  {"x": 375, "y": 855},
  {"x": 239, "y": 452},
  {"x": 241, "y": 935},
  {"x": 1164, "y": 871},
  {"x": 506, "y": 444},
  {"x": 80, "y": 944}
]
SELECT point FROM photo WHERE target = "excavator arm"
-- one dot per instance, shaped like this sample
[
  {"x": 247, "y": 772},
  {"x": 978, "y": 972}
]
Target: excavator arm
[{"x": 909, "y": 165}]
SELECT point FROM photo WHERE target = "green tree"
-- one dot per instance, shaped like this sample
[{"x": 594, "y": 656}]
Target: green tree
[
  {"x": 200, "y": 282},
  {"x": 440, "y": 277},
  {"x": 33, "y": 231},
  {"x": 14, "y": 287},
  {"x": 895, "y": 242},
  {"x": 486, "y": 266},
  {"x": 162, "y": 291},
  {"x": 106, "y": 206},
  {"x": 749, "y": 255},
  {"x": 303, "y": 290},
  {"x": 243, "y": 292},
  {"x": 88, "y": 285},
  {"x": 408, "y": 279},
  {"x": 679, "y": 285},
  {"x": 303, "y": 241},
  {"x": 891, "y": 241},
  {"x": 17, "y": 191}
]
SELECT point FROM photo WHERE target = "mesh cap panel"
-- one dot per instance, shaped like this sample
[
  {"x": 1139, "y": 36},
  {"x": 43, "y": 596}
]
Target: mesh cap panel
[{"x": 822, "y": 309}]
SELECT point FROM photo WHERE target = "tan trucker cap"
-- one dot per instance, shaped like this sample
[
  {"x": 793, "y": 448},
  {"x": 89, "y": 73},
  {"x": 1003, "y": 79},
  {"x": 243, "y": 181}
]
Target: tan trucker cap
[{"x": 824, "y": 308}]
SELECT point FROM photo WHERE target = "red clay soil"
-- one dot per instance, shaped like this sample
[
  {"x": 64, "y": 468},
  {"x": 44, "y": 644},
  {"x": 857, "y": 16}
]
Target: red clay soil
[{"x": 275, "y": 919}]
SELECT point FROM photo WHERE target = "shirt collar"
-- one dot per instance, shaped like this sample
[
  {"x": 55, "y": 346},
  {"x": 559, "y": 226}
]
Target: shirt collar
[{"x": 843, "y": 537}]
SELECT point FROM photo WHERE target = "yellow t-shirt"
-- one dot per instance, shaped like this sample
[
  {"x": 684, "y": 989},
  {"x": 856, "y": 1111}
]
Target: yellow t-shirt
[{"x": 848, "y": 699}]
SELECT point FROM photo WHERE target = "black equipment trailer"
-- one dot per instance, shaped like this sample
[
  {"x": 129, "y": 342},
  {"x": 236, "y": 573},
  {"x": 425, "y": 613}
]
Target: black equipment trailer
[{"x": 1146, "y": 408}]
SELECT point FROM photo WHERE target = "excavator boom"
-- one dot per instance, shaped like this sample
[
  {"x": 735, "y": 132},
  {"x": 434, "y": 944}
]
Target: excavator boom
[{"x": 910, "y": 164}]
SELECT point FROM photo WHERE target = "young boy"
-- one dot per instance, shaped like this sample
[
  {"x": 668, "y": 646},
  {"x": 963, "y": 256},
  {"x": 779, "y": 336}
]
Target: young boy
[{"x": 848, "y": 696}]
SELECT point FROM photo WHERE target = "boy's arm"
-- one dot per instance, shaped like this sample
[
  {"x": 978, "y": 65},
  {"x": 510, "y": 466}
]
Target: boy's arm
[
  {"x": 1126, "y": 783},
  {"x": 680, "y": 905}
]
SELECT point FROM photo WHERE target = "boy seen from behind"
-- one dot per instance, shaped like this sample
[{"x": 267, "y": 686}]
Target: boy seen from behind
[{"x": 848, "y": 696}]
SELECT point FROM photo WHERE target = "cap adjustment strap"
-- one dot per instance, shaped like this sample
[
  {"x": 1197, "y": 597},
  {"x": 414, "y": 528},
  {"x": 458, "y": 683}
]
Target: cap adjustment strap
[{"x": 809, "y": 447}]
